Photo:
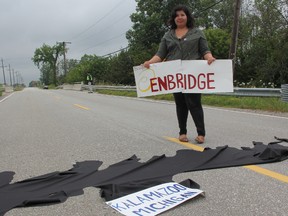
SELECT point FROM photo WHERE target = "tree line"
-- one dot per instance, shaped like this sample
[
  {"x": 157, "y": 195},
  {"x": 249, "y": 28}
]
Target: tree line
[{"x": 261, "y": 57}]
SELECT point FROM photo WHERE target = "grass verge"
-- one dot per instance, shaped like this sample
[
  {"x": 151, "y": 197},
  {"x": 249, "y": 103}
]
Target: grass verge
[{"x": 271, "y": 104}]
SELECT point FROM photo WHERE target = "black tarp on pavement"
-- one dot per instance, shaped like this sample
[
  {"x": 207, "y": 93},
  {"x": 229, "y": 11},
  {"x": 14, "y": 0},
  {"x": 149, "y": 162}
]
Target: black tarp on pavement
[{"x": 130, "y": 175}]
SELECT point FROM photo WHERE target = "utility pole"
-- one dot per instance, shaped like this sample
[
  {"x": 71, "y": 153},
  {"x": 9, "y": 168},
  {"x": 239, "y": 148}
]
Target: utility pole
[
  {"x": 10, "y": 76},
  {"x": 64, "y": 55},
  {"x": 233, "y": 46},
  {"x": 13, "y": 76},
  {"x": 17, "y": 76},
  {"x": 3, "y": 72}
]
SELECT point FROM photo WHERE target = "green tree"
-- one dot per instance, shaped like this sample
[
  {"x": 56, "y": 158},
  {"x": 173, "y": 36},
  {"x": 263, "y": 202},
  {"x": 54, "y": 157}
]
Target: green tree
[
  {"x": 221, "y": 14},
  {"x": 92, "y": 64},
  {"x": 70, "y": 64},
  {"x": 34, "y": 83},
  {"x": 262, "y": 44},
  {"x": 149, "y": 25},
  {"x": 121, "y": 69},
  {"x": 76, "y": 74},
  {"x": 261, "y": 50},
  {"x": 47, "y": 56},
  {"x": 46, "y": 74},
  {"x": 219, "y": 42}
]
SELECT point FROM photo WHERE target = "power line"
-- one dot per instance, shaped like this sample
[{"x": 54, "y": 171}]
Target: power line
[
  {"x": 278, "y": 11},
  {"x": 109, "y": 54},
  {"x": 106, "y": 29},
  {"x": 209, "y": 7},
  {"x": 98, "y": 20},
  {"x": 104, "y": 41},
  {"x": 118, "y": 20}
]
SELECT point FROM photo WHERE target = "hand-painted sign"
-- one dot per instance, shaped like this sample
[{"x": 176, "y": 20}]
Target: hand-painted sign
[
  {"x": 154, "y": 200},
  {"x": 187, "y": 76}
]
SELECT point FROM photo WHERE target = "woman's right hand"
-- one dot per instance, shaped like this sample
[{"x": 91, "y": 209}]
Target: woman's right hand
[
  {"x": 153, "y": 60},
  {"x": 146, "y": 64}
]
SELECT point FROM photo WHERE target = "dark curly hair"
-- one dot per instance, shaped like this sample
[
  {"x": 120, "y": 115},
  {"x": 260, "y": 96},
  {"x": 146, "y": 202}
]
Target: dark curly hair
[{"x": 190, "y": 18}]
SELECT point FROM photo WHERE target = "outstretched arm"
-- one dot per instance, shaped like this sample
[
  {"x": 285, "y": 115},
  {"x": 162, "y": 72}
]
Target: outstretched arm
[{"x": 153, "y": 60}]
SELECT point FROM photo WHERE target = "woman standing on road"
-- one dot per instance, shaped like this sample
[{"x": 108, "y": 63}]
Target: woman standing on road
[{"x": 184, "y": 41}]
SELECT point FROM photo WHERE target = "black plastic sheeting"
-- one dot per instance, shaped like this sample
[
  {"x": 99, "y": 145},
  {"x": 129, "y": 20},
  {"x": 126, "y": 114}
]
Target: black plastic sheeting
[{"x": 130, "y": 175}]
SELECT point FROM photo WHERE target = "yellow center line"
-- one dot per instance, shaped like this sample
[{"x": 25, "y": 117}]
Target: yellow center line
[
  {"x": 82, "y": 107},
  {"x": 267, "y": 172},
  {"x": 254, "y": 168},
  {"x": 186, "y": 144}
]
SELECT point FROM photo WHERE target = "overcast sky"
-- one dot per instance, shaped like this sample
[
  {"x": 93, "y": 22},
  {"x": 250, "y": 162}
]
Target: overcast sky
[{"x": 92, "y": 26}]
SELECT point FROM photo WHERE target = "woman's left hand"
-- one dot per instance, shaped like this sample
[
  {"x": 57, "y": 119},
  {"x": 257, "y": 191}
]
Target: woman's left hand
[
  {"x": 209, "y": 57},
  {"x": 210, "y": 60}
]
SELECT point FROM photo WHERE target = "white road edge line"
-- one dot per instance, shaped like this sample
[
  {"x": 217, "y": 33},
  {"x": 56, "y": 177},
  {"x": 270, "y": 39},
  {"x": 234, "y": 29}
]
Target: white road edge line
[
  {"x": 6, "y": 97},
  {"x": 251, "y": 113}
]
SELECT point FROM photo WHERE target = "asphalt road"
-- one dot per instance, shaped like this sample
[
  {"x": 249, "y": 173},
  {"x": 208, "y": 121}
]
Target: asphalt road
[{"x": 43, "y": 131}]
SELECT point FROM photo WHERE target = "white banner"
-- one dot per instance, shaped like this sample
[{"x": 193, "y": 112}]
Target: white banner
[
  {"x": 187, "y": 76},
  {"x": 154, "y": 200}
]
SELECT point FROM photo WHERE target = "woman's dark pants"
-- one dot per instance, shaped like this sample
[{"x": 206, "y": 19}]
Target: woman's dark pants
[{"x": 189, "y": 102}]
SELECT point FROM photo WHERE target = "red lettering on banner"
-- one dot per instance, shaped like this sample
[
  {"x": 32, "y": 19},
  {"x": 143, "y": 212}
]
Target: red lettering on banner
[
  {"x": 162, "y": 83},
  {"x": 190, "y": 76},
  {"x": 152, "y": 84},
  {"x": 179, "y": 80},
  {"x": 171, "y": 83},
  {"x": 209, "y": 81},
  {"x": 201, "y": 83},
  {"x": 185, "y": 81}
]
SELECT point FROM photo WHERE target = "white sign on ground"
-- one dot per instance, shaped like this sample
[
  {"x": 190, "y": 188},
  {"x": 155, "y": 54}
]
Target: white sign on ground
[{"x": 154, "y": 200}]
